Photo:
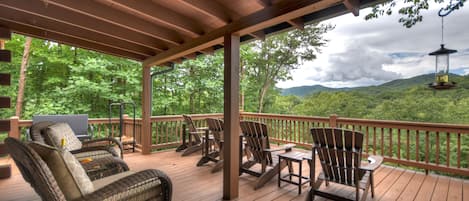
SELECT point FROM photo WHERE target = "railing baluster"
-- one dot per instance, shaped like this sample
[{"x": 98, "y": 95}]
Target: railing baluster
[
  {"x": 390, "y": 142},
  {"x": 366, "y": 140},
  {"x": 426, "y": 147},
  {"x": 459, "y": 151},
  {"x": 374, "y": 140},
  {"x": 437, "y": 143},
  {"x": 399, "y": 143},
  {"x": 417, "y": 157},
  {"x": 408, "y": 144},
  {"x": 447, "y": 149},
  {"x": 382, "y": 141}
]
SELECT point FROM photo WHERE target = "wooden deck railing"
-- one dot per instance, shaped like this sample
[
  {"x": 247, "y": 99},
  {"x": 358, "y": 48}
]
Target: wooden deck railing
[{"x": 429, "y": 146}]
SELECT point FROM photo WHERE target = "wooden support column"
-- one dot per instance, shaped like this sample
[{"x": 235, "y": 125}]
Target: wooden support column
[
  {"x": 231, "y": 118},
  {"x": 146, "y": 113}
]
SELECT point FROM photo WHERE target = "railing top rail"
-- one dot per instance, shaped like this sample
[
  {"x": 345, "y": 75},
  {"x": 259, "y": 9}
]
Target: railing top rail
[
  {"x": 285, "y": 116},
  {"x": 406, "y": 124},
  {"x": 179, "y": 117}
]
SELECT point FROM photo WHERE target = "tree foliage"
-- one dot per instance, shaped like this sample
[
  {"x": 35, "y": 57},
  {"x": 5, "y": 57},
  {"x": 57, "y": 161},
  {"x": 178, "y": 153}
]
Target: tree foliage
[{"x": 410, "y": 11}]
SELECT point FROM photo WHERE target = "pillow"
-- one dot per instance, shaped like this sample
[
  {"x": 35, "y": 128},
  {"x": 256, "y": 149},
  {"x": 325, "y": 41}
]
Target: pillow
[
  {"x": 35, "y": 131},
  {"x": 55, "y": 133},
  {"x": 68, "y": 172}
]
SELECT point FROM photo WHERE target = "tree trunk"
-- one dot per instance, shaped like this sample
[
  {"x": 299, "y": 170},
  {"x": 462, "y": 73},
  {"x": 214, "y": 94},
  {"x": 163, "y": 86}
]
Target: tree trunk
[
  {"x": 262, "y": 95},
  {"x": 22, "y": 81}
]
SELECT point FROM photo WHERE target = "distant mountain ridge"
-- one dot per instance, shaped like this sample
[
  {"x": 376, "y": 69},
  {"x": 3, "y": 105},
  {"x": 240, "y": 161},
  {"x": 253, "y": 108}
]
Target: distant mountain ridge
[{"x": 420, "y": 80}]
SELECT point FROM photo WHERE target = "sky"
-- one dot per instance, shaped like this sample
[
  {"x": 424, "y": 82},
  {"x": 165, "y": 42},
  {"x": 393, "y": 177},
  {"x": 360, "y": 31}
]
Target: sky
[{"x": 364, "y": 53}]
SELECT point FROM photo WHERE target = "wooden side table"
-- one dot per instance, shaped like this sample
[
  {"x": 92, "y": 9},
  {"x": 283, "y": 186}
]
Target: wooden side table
[{"x": 297, "y": 157}]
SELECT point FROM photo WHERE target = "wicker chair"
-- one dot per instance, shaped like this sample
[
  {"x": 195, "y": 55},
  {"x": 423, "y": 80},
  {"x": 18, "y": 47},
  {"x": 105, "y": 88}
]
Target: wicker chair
[
  {"x": 95, "y": 148},
  {"x": 144, "y": 185}
]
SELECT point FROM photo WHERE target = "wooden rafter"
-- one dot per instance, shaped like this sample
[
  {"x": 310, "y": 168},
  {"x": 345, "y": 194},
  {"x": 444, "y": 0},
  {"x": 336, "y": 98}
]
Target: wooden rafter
[
  {"x": 269, "y": 16},
  {"x": 297, "y": 23},
  {"x": 46, "y": 35},
  {"x": 210, "y": 8},
  {"x": 258, "y": 34},
  {"x": 75, "y": 32},
  {"x": 113, "y": 16},
  {"x": 160, "y": 15},
  {"x": 86, "y": 22},
  {"x": 353, "y": 6}
]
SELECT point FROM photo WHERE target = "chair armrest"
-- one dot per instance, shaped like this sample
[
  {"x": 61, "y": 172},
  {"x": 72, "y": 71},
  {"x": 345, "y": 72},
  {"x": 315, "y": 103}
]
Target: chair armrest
[
  {"x": 373, "y": 163},
  {"x": 109, "y": 140},
  {"x": 197, "y": 132},
  {"x": 135, "y": 186},
  {"x": 286, "y": 147},
  {"x": 201, "y": 129}
]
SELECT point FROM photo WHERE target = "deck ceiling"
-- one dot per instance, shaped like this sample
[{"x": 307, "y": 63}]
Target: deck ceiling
[{"x": 160, "y": 32}]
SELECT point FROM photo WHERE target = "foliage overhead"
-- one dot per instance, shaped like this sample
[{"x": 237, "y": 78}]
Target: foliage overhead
[{"x": 410, "y": 11}]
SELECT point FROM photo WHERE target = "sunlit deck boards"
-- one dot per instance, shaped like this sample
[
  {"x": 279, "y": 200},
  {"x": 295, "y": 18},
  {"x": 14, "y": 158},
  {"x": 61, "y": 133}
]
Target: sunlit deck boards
[{"x": 197, "y": 183}]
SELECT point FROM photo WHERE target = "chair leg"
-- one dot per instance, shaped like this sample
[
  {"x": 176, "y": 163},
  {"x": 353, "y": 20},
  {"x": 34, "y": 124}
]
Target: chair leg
[
  {"x": 372, "y": 185},
  {"x": 191, "y": 150},
  {"x": 218, "y": 166},
  {"x": 268, "y": 175}
]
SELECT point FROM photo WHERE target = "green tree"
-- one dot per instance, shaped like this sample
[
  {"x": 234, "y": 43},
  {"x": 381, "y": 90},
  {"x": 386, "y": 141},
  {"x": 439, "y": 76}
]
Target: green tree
[{"x": 276, "y": 56}]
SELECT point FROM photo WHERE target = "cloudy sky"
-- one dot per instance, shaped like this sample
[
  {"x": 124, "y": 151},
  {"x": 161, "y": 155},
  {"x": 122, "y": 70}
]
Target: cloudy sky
[{"x": 362, "y": 53}]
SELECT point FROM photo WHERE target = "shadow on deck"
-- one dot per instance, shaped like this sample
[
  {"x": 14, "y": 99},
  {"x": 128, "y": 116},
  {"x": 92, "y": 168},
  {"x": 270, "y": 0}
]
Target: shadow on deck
[{"x": 197, "y": 183}]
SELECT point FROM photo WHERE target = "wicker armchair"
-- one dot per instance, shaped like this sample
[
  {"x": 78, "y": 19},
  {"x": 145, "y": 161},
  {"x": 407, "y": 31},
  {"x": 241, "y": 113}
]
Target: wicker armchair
[
  {"x": 95, "y": 148},
  {"x": 144, "y": 185}
]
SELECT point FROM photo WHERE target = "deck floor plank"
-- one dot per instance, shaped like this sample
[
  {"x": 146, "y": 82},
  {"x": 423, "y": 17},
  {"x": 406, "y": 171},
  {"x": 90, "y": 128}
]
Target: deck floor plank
[
  {"x": 441, "y": 189},
  {"x": 426, "y": 190},
  {"x": 455, "y": 189},
  {"x": 193, "y": 183}
]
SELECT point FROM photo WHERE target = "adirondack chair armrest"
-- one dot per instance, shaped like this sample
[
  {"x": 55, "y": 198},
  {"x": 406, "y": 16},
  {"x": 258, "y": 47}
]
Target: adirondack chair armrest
[
  {"x": 286, "y": 147},
  {"x": 197, "y": 133},
  {"x": 373, "y": 163},
  {"x": 100, "y": 141},
  {"x": 201, "y": 129}
]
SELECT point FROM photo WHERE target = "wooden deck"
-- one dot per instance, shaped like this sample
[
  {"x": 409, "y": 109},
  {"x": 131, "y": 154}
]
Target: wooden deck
[{"x": 197, "y": 183}]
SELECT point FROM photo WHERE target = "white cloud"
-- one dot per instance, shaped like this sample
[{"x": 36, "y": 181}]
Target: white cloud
[{"x": 372, "y": 52}]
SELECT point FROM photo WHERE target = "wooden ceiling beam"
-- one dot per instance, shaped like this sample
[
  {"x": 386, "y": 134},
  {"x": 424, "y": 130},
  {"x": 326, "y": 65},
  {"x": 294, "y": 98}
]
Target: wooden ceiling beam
[
  {"x": 64, "y": 29},
  {"x": 58, "y": 14},
  {"x": 353, "y": 6},
  {"x": 264, "y": 3},
  {"x": 76, "y": 42},
  {"x": 170, "y": 19},
  {"x": 258, "y": 34},
  {"x": 275, "y": 14},
  {"x": 209, "y": 50},
  {"x": 113, "y": 16},
  {"x": 297, "y": 23},
  {"x": 210, "y": 8}
]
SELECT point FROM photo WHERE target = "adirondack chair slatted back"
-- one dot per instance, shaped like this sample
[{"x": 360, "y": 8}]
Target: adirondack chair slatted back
[
  {"x": 257, "y": 140},
  {"x": 340, "y": 154},
  {"x": 190, "y": 124},
  {"x": 215, "y": 126}
]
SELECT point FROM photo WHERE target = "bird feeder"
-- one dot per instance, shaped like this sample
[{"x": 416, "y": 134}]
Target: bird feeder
[{"x": 442, "y": 68}]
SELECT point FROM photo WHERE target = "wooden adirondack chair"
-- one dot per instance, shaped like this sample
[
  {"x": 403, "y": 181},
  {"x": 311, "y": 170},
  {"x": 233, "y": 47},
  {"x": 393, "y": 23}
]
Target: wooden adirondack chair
[
  {"x": 340, "y": 153},
  {"x": 215, "y": 127},
  {"x": 194, "y": 144},
  {"x": 257, "y": 142}
]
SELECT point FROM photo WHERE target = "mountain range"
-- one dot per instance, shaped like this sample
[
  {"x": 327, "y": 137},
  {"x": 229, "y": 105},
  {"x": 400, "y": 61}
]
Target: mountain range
[{"x": 421, "y": 80}]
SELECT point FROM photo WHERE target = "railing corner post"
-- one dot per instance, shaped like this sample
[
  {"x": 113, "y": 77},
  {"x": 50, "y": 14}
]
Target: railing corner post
[
  {"x": 14, "y": 127},
  {"x": 333, "y": 120}
]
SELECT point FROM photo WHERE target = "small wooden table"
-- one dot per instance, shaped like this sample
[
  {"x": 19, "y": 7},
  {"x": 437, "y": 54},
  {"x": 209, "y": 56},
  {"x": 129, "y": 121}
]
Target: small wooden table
[{"x": 291, "y": 157}]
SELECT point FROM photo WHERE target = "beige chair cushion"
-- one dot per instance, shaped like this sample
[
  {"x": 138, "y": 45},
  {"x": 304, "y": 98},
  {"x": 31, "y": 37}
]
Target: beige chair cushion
[
  {"x": 58, "y": 131},
  {"x": 68, "y": 172}
]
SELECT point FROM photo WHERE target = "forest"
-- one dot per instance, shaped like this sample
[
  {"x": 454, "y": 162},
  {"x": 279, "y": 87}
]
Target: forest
[{"x": 65, "y": 80}]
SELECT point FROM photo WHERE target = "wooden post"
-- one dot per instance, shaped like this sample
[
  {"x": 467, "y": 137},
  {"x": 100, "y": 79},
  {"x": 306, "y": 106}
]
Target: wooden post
[
  {"x": 146, "y": 113},
  {"x": 333, "y": 120},
  {"x": 14, "y": 129},
  {"x": 231, "y": 116}
]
